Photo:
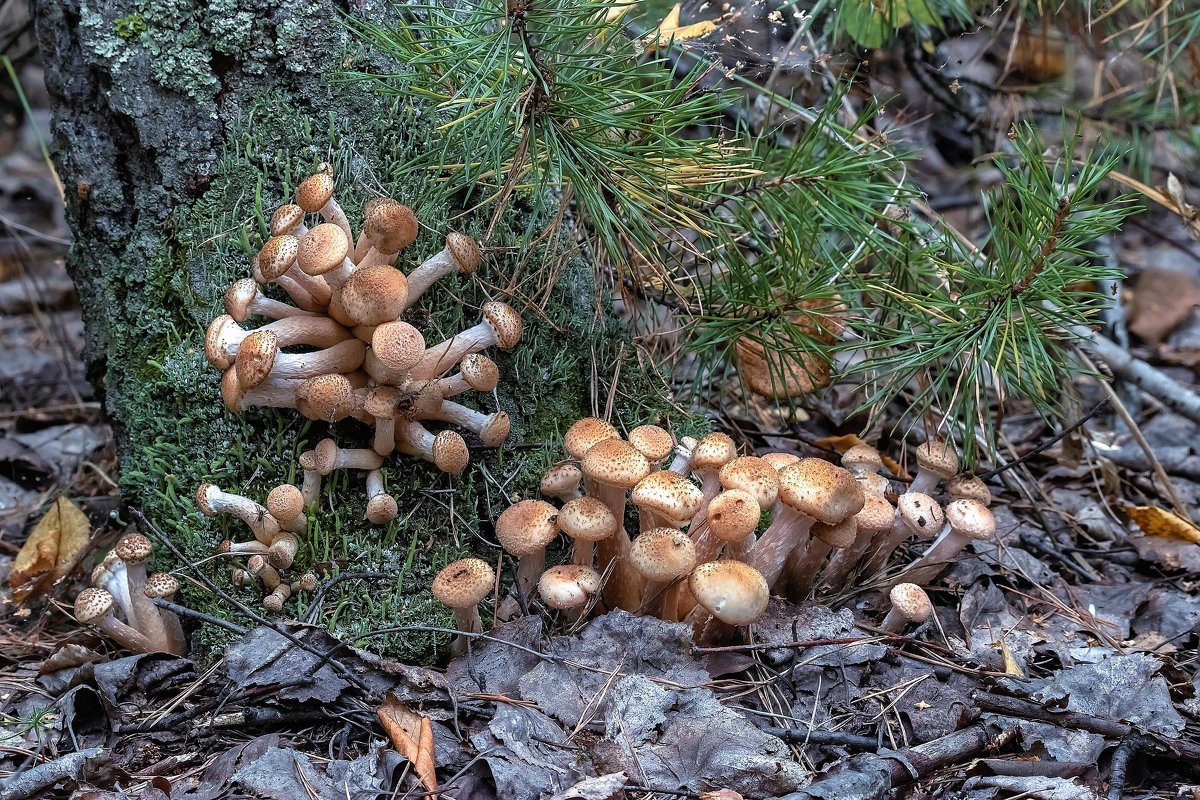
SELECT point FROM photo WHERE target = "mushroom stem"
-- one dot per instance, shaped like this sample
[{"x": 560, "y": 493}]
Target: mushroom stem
[
  {"x": 492, "y": 429},
  {"x": 243, "y": 300},
  {"x": 461, "y": 254},
  {"x": 134, "y": 550},
  {"x": 212, "y": 501},
  {"x": 310, "y": 489},
  {"x": 467, "y": 620},
  {"x": 624, "y": 587},
  {"x": 787, "y": 532},
  {"x": 163, "y": 586},
  {"x": 682, "y": 463}
]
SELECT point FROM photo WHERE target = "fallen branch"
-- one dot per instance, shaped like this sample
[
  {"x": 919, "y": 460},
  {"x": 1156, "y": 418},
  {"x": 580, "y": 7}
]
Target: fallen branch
[
  {"x": 1153, "y": 382},
  {"x": 70, "y": 767}
]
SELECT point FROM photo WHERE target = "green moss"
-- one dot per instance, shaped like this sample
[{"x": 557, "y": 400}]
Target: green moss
[{"x": 179, "y": 435}]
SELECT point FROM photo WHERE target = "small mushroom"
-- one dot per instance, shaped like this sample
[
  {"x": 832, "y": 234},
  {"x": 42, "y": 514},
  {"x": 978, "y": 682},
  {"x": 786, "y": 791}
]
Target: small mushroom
[
  {"x": 861, "y": 460},
  {"x": 492, "y": 429},
  {"x": 374, "y": 295},
  {"x": 305, "y": 583},
  {"x": 381, "y": 506},
  {"x": 462, "y": 586},
  {"x": 917, "y": 515},
  {"x": 323, "y": 251},
  {"x": 212, "y": 501},
  {"x": 276, "y": 263},
  {"x": 561, "y": 482},
  {"x": 476, "y": 371},
  {"x": 732, "y": 592},
  {"x": 314, "y": 195},
  {"x": 288, "y": 220},
  {"x": 282, "y": 551},
  {"x": 586, "y": 432},
  {"x": 666, "y": 498},
  {"x": 586, "y": 520},
  {"x": 966, "y": 486},
  {"x": 286, "y": 504},
  {"x": 330, "y": 457},
  {"x": 524, "y": 529},
  {"x": 569, "y": 588},
  {"x": 461, "y": 254},
  {"x": 910, "y": 604},
  {"x": 661, "y": 555},
  {"x": 388, "y": 228},
  {"x": 733, "y": 517},
  {"x": 654, "y": 443},
  {"x": 447, "y": 450},
  {"x": 310, "y": 488},
  {"x": 383, "y": 404},
  {"x": 161, "y": 586},
  {"x": 936, "y": 461},
  {"x": 501, "y": 325},
  {"x": 243, "y": 300},
  {"x": 135, "y": 549},
  {"x": 708, "y": 456},
  {"x": 274, "y": 601},
  {"x": 95, "y": 607},
  {"x": 967, "y": 521},
  {"x": 611, "y": 467},
  {"x": 225, "y": 336},
  {"x": 396, "y": 347}
]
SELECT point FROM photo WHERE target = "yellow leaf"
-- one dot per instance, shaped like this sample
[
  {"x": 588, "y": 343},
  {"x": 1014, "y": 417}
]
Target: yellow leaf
[
  {"x": 1011, "y": 667},
  {"x": 51, "y": 551},
  {"x": 670, "y": 29},
  {"x": 412, "y": 736},
  {"x": 1156, "y": 522}
]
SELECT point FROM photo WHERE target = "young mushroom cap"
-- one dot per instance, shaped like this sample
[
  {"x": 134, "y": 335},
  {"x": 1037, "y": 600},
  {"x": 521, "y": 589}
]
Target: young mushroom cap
[
  {"x": 323, "y": 249},
  {"x": 561, "y": 481},
  {"x": 733, "y": 592},
  {"x": 464, "y": 583},
  {"x": 971, "y": 518},
  {"x": 780, "y": 460},
  {"x": 286, "y": 219},
  {"x": 668, "y": 496},
  {"x": 390, "y": 226},
  {"x": 754, "y": 475},
  {"x": 663, "y": 554},
  {"x": 936, "y": 461},
  {"x": 587, "y": 519},
  {"x": 382, "y": 509},
  {"x": 823, "y": 491},
  {"x": 713, "y": 452},
  {"x": 526, "y": 527},
  {"x": 966, "y": 486},
  {"x": 911, "y": 601},
  {"x": 397, "y": 346},
  {"x": 375, "y": 295},
  {"x": 874, "y": 484},
  {"x": 450, "y": 453},
  {"x": 95, "y": 607},
  {"x": 733, "y": 515},
  {"x": 568, "y": 586},
  {"x": 653, "y": 442},
  {"x": 479, "y": 372},
  {"x": 615, "y": 462},
  {"x": 921, "y": 513},
  {"x": 285, "y": 503},
  {"x": 862, "y": 459},
  {"x": 585, "y": 433}
]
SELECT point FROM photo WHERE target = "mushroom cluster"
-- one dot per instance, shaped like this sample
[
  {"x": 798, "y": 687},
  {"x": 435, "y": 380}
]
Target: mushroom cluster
[
  {"x": 121, "y": 604},
  {"x": 702, "y": 555},
  {"x": 342, "y": 350}
]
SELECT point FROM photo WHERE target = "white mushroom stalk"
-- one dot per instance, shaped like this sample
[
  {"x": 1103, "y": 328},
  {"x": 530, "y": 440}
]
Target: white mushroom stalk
[
  {"x": 966, "y": 521},
  {"x": 225, "y": 336},
  {"x": 461, "y": 254},
  {"x": 492, "y": 429},
  {"x": 135, "y": 549},
  {"x": 271, "y": 393},
  {"x": 243, "y": 300},
  {"x": 212, "y": 501},
  {"x": 110, "y": 575},
  {"x": 917, "y": 515},
  {"x": 501, "y": 325}
]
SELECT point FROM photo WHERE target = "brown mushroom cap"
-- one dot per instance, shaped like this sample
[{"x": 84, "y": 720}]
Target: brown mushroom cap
[
  {"x": 731, "y": 591},
  {"x": 286, "y": 218},
  {"x": 668, "y": 494},
  {"x": 971, "y": 519},
  {"x": 874, "y": 483},
  {"x": 586, "y": 432},
  {"x": 911, "y": 601},
  {"x": 753, "y": 475},
  {"x": 381, "y": 509},
  {"x": 839, "y": 535},
  {"x": 965, "y": 486},
  {"x": 375, "y": 295},
  {"x": 464, "y": 250},
  {"x": 214, "y": 352},
  {"x": 615, "y": 462},
  {"x": 255, "y": 358},
  {"x": 161, "y": 585},
  {"x": 504, "y": 322},
  {"x": 560, "y": 479},
  {"x": 398, "y": 345},
  {"x": 568, "y": 586},
  {"x": 323, "y": 249},
  {"x": 663, "y": 554},
  {"x": 277, "y": 256},
  {"x": 825, "y": 492},
  {"x": 314, "y": 191},
  {"x": 713, "y": 452},
  {"x": 390, "y": 226},
  {"x": 480, "y": 372},
  {"x": 464, "y": 583},
  {"x": 877, "y": 515},
  {"x": 325, "y": 397},
  {"x": 733, "y": 515},
  {"x": 653, "y": 442},
  {"x": 862, "y": 457},
  {"x": 92, "y": 604},
  {"x": 780, "y": 460},
  {"x": 450, "y": 453},
  {"x": 921, "y": 513},
  {"x": 939, "y": 458},
  {"x": 527, "y": 526},
  {"x": 382, "y": 402},
  {"x": 133, "y": 548},
  {"x": 588, "y": 519},
  {"x": 496, "y": 429},
  {"x": 285, "y": 502}
]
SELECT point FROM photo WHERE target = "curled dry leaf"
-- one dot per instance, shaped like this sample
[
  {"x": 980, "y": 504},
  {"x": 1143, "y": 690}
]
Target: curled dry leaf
[
  {"x": 412, "y": 736},
  {"x": 1157, "y": 522},
  {"x": 51, "y": 551}
]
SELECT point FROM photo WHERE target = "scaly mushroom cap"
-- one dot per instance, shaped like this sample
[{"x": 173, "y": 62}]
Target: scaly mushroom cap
[
  {"x": 733, "y": 515},
  {"x": 92, "y": 604},
  {"x": 753, "y": 475},
  {"x": 970, "y": 518},
  {"x": 375, "y": 295},
  {"x": 939, "y": 458},
  {"x": 586, "y": 432},
  {"x": 780, "y": 460},
  {"x": 202, "y": 499},
  {"x": 285, "y": 502},
  {"x": 382, "y": 509},
  {"x": 966, "y": 486},
  {"x": 874, "y": 483},
  {"x": 286, "y": 218},
  {"x": 668, "y": 494},
  {"x": 876, "y": 516},
  {"x": 921, "y": 513},
  {"x": 323, "y": 249},
  {"x": 238, "y": 298},
  {"x": 568, "y": 586},
  {"x": 325, "y": 397},
  {"x": 731, "y": 591},
  {"x": 382, "y": 402},
  {"x": 588, "y": 519},
  {"x": 277, "y": 256},
  {"x": 713, "y": 452},
  {"x": 823, "y": 491},
  {"x": 504, "y": 322},
  {"x": 464, "y": 250},
  {"x": 398, "y": 345},
  {"x": 615, "y": 462},
  {"x": 133, "y": 548},
  {"x": 862, "y": 457},
  {"x": 839, "y": 535},
  {"x": 327, "y": 453},
  {"x": 911, "y": 601},
  {"x": 653, "y": 442},
  {"x": 527, "y": 526},
  {"x": 496, "y": 429},
  {"x": 480, "y": 372},
  {"x": 464, "y": 583},
  {"x": 214, "y": 353},
  {"x": 390, "y": 226},
  {"x": 314, "y": 191},
  {"x": 663, "y": 554},
  {"x": 255, "y": 358},
  {"x": 560, "y": 479},
  {"x": 161, "y": 585},
  {"x": 450, "y": 453}
]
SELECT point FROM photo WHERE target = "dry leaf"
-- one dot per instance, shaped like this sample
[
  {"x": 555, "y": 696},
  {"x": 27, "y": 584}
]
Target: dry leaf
[
  {"x": 670, "y": 29},
  {"x": 1163, "y": 299},
  {"x": 1011, "y": 667},
  {"x": 1156, "y": 522},
  {"x": 51, "y": 551},
  {"x": 412, "y": 736}
]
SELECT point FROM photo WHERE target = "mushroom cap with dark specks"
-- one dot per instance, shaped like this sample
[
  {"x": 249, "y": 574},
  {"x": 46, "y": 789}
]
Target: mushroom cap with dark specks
[
  {"x": 323, "y": 249},
  {"x": 325, "y": 397},
  {"x": 160, "y": 584},
  {"x": 663, "y": 554},
  {"x": 938, "y": 457},
  {"x": 568, "y": 586},
  {"x": 560, "y": 479},
  {"x": 464, "y": 583},
  {"x": 823, "y": 491},
  {"x": 921, "y": 513},
  {"x": 285, "y": 502},
  {"x": 381, "y": 509},
  {"x": 731, "y": 591},
  {"x": 965, "y": 486},
  {"x": 464, "y": 250},
  {"x": 615, "y": 462},
  {"x": 255, "y": 358},
  {"x": 653, "y": 442},
  {"x": 480, "y": 372},
  {"x": 133, "y": 548},
  {"x": 375, "y": 295},
  {"x": 239, "y": 296},
  {"x": 398, "y": 345},
  {"x": 314, "y": 191},
  {"x": 450, "y": 453},
  {"x": 92, "y": 604},
  {"x": 391, "y": 226},
  {"x": 876, "y": 516},
  {"x": 862, "y": 456},
  {"x": 504, "y": 321},
  {"x": 585, "y": 433},
  {"x": 382, "y": 402},
  {"x": 713, "y": 452},
  {"x": 496, "y": 429},
  {"x": 214, "y": 353},
  {"x": 668, "y": 494},
  {"x": 839, "y": 535},
  {"x": 308, "y": 460},
  {"x": 285, "y": 218},
  {"x": 588, "y": 519},
  {"x": 971, "y": 518},
  {"x": 277, "y": 256},
  {"x": 754, "y": 475},
  {"x": 911, "y": 601},
  {"x": 527, "y": 526},
  {"x": 733, "y": 515}
]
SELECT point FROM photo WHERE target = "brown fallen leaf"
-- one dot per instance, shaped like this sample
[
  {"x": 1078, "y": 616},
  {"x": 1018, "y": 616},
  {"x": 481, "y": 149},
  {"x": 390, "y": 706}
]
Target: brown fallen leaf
[
  {"x": 1155, "y": 521},
  {"x": 51, "y": 551},
  {"x": 412, "y": 736},
  {"x": 1163, "y": 299},
  {"x": 846, "y": 441}
]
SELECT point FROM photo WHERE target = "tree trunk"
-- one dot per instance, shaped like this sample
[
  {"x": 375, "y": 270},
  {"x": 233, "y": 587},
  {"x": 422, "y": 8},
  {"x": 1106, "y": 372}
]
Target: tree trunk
[{"x": 178, "y": 127}]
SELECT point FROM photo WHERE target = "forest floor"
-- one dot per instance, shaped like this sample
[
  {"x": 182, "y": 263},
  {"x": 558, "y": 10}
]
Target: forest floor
[{"x": 1060, "y": 663}]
